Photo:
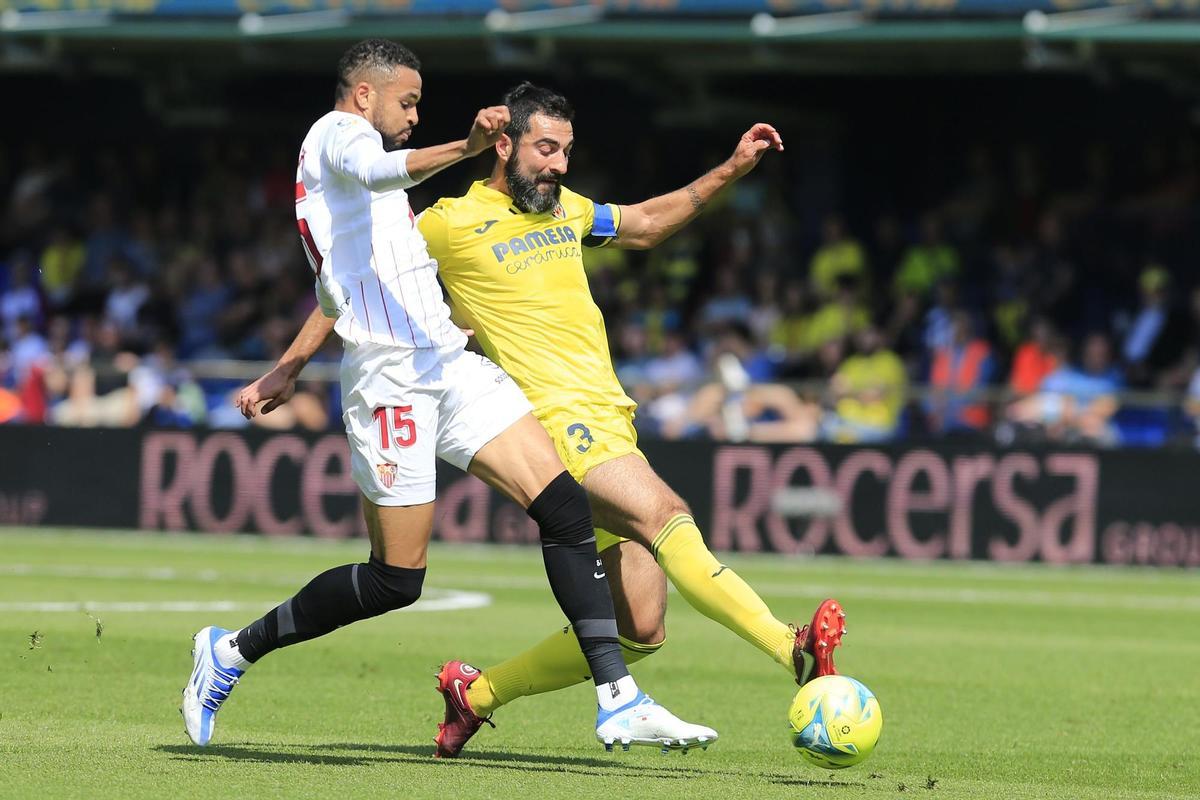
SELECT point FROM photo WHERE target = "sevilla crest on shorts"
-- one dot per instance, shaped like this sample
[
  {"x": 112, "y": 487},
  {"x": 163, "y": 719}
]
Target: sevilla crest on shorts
[{"x": 387, "y": 474}]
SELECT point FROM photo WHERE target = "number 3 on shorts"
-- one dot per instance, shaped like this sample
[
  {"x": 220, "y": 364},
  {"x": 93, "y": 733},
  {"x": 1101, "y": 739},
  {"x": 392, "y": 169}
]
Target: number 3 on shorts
[{"x": 405, "y": 427}]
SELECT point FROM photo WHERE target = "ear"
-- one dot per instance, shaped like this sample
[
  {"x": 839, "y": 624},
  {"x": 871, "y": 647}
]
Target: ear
[
  {"x": 504, "y": 147},
  {"x": 362, "y": 95}
]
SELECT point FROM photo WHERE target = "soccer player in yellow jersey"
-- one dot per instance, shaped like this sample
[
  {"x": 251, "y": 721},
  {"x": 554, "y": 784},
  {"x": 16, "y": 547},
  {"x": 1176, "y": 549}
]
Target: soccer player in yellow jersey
[{"x": 510, "y": 255}]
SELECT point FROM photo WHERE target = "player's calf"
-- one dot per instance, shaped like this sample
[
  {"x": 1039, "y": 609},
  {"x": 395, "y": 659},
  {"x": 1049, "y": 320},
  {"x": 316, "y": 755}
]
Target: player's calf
[
  {"x": 639, "y": 593},
  {"x": 577, "y": 575},
  {"x": 334, "y": 598}
]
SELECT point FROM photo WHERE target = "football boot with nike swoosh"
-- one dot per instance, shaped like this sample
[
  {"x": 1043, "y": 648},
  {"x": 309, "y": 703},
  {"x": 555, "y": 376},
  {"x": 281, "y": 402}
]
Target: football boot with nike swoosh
[{"x": 461, "y": 723}]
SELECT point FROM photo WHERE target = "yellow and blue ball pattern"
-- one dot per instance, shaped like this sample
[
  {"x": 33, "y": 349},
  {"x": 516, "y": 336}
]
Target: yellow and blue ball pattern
[{"x": 835, "y": 722}]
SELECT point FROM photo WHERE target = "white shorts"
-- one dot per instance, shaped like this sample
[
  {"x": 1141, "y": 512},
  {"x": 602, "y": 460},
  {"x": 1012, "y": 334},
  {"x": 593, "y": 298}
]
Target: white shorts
[{"x": 405, "y": 408}]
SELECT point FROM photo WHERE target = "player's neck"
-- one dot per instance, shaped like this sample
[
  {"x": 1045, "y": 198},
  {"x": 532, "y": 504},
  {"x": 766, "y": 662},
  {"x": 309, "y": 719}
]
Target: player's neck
[
  {"x": 497, "y": 180},
  {"x": 348, "y": 107}
]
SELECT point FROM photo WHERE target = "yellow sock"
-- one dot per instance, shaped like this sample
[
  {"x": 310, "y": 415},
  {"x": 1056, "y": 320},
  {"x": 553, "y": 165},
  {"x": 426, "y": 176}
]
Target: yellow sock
[
  {"x": 717, "y": 592},
  {"x": 553, "y": 663}
]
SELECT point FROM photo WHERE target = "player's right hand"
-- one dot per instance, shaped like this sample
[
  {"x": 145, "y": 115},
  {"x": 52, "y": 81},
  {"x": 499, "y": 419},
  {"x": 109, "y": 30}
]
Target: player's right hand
[
  {"x": 488, "y": 127},
  {"x": 751, "y": 147},
  {"x": 275, "y": 388}
]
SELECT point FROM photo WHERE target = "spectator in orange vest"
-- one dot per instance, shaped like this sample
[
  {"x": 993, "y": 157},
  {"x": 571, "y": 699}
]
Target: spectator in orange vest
[
  {"x": 1076, "y": 403},
  {"x": 958, "y": 378},
  {"x": 1034, "y": 359}
]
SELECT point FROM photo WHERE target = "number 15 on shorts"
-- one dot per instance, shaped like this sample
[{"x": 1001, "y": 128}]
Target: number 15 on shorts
[{"x": 395, "y": 426}]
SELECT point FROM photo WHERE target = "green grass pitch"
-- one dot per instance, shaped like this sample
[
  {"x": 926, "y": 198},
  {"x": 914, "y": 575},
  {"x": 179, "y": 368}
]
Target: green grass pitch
[{"x": 996, "y": 683}]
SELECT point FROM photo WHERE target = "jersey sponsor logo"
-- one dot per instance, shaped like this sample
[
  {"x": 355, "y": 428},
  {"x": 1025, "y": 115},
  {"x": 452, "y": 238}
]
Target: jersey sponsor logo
[
  {"x": 540, "y": 257},
  {"x": 485, "y": 227},
  {"x": 585, "y": 436},
  {"x": 387, "y": 474},
  {"x": 533, "y": 241}
]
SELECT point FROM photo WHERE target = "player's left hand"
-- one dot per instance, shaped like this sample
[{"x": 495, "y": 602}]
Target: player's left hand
[
  {"x": 275, "y": 388},
  {"x": 488, "y": 127},
  {"x": 754, "y": 143}
]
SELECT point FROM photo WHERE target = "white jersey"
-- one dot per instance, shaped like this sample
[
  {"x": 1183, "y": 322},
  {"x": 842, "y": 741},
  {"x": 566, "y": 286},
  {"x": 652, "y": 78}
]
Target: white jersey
[{"x": 374, "y": 273}]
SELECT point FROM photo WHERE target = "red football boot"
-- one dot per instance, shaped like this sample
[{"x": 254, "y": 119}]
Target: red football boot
[
  {"x": 461, "y": 722},
  {"x": 818, "y": 639}
]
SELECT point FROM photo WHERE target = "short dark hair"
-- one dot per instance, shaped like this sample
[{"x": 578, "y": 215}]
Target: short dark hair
[
  {"x": 372, "y": 53},
  {"x": 525, "y": 100}
]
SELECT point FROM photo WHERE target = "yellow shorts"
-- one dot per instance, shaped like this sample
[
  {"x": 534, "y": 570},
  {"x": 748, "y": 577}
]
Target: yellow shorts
[{"x": 586, "y": 436}]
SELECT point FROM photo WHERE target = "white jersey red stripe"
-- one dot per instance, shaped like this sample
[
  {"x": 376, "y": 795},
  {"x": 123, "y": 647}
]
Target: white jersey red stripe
[{"x": 374, "y": 273}]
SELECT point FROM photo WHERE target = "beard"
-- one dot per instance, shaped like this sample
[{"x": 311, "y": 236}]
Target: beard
[
  {"x": 391, "y": 141},
  {"x": 525, "y": 192}
]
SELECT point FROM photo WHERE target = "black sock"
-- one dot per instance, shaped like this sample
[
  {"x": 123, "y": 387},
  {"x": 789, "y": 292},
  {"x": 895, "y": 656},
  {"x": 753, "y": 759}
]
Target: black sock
[
  {"x": 334, "y": 598},
  {"x": 577, "y": 575}
]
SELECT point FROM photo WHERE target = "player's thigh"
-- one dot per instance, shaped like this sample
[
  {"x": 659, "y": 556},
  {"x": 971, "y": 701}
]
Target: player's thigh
[
  {"x": 639, "y": 592},
  {"x": 520, "y": 462},
  {"x": 487, "y": 429},
  {"x": 399, "y": 534},
  {"x": 630, "y": 499}
]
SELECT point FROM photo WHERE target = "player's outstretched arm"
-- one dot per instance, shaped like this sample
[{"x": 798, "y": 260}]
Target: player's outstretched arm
[
  {"x": 278, "y": 385},
  {"x": 650, "y": 222},
  {"x": 485, "y": 132},
  {"x": 352, "y": 148}
]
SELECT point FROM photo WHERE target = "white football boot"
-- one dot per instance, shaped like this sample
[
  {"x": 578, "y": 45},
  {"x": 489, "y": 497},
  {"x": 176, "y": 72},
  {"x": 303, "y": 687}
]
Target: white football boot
[
  {"x": 643, "y": 721},
  {"x": 208, "y": 688}
]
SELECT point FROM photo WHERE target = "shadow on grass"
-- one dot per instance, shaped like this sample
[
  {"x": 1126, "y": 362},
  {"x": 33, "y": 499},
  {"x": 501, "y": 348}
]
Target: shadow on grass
[
  {"x": 826, "y": 784},
  {"x": 377, "y": 754}
]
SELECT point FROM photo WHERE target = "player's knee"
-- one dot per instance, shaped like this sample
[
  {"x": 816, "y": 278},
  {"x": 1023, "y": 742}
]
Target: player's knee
[
  {"x": 562, "y": 512},
  {"x": 675, "y": 506},
  {"x": 666, "y": 509},
  {"x": 382, "y": 588}
]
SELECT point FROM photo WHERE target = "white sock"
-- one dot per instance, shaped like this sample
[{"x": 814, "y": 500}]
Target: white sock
[
  {"x": 226, "y": 651},
  {"x": 612, "y": 696}
]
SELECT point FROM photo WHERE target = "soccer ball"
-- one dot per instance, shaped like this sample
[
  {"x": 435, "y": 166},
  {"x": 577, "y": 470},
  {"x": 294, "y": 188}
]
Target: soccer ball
[{"x": 835, "y": 722}]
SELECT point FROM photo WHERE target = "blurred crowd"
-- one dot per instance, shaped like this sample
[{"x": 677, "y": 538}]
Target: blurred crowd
[
  {"x": 1038, "y": 300},
  {"x": 1021, "y": 306}
]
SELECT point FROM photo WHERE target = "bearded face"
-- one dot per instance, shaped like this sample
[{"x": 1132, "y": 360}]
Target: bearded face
[{"x": 533, "y": 191}]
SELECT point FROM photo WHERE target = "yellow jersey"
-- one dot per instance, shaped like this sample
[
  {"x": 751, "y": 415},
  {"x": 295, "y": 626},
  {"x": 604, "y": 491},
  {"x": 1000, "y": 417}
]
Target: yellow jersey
[
  {"x": 518, "y": 280},
  {"x": 882, "y": 378}
]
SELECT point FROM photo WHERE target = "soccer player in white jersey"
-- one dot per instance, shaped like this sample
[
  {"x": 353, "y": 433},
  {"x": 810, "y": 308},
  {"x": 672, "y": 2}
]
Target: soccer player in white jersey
[{"x": 412, "y": 393}]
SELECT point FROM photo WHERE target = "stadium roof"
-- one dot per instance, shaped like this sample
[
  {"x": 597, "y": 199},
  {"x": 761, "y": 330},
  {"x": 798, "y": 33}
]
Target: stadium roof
[
  {"x": 696, "y": 37},
  {"x": 710, "y": 8},
  {"x": 728, "y": 21}
]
